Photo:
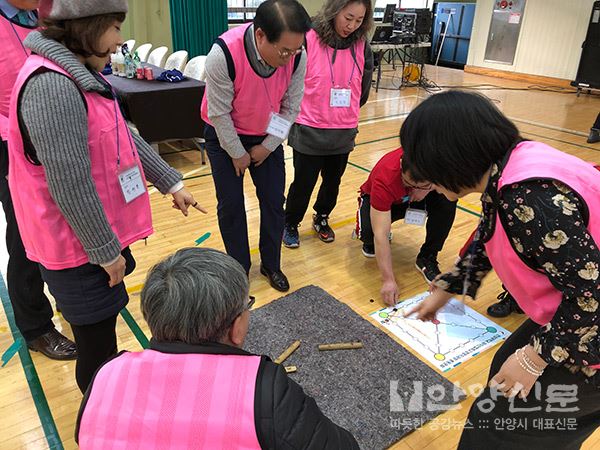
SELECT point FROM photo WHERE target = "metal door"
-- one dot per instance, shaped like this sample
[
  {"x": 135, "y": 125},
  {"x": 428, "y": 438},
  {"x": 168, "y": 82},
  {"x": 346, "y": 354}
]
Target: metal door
[{"x": 504, "y": 31}]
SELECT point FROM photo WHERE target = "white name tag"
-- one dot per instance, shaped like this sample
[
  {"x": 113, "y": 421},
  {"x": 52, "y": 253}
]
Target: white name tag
[
  {"x": 131, "y": 183},
  {"x": 415, "y": 217},
  {"x": 278, "y": 126},
  {"x": 339, "y": 98}
]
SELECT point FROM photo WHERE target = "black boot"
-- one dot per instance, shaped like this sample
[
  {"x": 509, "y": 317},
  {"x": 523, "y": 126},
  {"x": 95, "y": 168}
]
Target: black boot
[
  {"x": 505, "y": 306},
  {"x": 594, "y": 136}
]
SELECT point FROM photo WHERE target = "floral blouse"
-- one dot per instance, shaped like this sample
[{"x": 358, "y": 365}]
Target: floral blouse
[{"x": 546, "y": 222}]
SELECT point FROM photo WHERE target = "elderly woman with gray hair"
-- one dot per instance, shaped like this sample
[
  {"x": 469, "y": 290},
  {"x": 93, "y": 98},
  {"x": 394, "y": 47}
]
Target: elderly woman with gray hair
[{"x": 195, "y": 387}]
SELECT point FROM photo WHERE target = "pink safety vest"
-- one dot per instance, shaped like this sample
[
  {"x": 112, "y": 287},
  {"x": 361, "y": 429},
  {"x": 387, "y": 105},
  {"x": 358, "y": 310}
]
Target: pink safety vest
[
  {"x": 47, "y": 237},
  {"x": 12, "y": 58},
  {"x": 347, "y": 73},
  {"x": 533, "y": 160},
  {"x": 154, "y": 400},
  {"x": 254, "y": 97}
]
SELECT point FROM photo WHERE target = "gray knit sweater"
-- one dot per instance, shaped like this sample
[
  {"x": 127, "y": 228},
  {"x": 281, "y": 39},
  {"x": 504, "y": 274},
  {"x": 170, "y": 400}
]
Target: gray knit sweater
[{"x": 54, "y": 115}]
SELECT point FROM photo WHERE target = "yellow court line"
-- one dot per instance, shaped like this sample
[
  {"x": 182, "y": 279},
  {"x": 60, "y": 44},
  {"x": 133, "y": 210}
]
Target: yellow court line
[
  {"x": 185, "y": 175},
  {"x": 471, "y": 206},
  {"x": 138, "y": 287}
]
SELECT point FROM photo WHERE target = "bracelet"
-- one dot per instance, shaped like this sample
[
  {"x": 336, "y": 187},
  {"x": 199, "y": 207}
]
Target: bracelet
[
  {"x": 527, "y": 368},
  {"x": 530, "y": 362}
]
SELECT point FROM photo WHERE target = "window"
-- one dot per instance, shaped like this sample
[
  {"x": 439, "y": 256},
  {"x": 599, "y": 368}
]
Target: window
[
  {"x": 381, "y": 4},
  {"x": 240, "y": 11}
]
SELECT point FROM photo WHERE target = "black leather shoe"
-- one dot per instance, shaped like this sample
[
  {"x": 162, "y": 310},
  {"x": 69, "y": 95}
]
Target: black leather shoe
[
  {"x": 54, "y": 345},
  {"x": 277, "y": 279},
  {"x": 594, "y": 136},
  {"x": 505, "y": 306}
]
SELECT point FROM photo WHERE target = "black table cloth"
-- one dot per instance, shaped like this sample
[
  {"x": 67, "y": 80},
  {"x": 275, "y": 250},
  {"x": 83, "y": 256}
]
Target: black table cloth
[{"x": 160, "y": 110}]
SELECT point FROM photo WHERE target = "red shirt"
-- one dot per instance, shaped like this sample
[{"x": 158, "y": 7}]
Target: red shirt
[{"x": 384, "y": 184}]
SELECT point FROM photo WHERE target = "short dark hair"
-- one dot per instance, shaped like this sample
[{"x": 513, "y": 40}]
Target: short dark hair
[
  {"x": 81, "y": 36},
  {"x": 276, "y": 16},
  {"x": 453, "y": 138}
]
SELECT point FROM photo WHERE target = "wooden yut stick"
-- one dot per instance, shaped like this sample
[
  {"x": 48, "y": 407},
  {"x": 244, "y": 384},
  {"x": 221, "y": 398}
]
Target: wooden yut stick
[
  {"x": 341, "y": 346},
  {"x": 288, "y": 351},
  {"x": 290, "y": 369}
]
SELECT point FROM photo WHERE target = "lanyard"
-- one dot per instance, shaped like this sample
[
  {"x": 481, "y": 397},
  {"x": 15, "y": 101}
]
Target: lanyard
[
  {"x": 19, "y": 38},
  {"x": 331, "y": 68},
  {"x": 268, "y": 95},
  {"x": 267, "y": 90},
  {"x": 117, "y": 128}
]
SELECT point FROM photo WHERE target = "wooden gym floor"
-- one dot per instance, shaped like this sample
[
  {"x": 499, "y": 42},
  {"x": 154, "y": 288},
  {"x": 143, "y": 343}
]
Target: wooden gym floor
[{"x": 42, "y": 408}]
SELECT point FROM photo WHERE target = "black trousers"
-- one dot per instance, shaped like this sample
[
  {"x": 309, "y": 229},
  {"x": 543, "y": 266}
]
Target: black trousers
[
  {"x": 564, "y": 409},
  {"x": 597, "y": 123},
  {"x": 95, "y": 344},
  {"x": 306, "y": 173},
  {"x": 440, "y": 217},
  {"x": 33, "y": 312},
  {"x": 269, "y": 181}
]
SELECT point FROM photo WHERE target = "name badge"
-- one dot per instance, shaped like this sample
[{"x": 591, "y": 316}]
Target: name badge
[
  {"x": 415, "y": 217},
  {"x": 278, "y": 126},
  {"x": 131, "y": 183},
  {"x": 339, "y": 98}
]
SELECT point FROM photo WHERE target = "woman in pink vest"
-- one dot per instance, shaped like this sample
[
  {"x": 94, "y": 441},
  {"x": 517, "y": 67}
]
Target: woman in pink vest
[
  {"x": 195, "y": 387},
  {"x": 31, "y": 307},
  {"x": 540, "y": 231},
  {"x": 78, "y": 174},
  {"x": 338, "y": 79}
]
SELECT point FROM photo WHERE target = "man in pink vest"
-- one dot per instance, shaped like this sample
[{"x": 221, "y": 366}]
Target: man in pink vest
[
  {"x": 254, "y": 86},
  {"x": 33, "y": 313},
  {"x": 195, "y": 388},
  {"x": 539, "y": 231}
]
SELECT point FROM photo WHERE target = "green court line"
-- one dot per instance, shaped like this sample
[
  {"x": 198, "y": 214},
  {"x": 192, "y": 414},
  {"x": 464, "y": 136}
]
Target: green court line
[
  {"x": 185, "y": 179},
  {"x": 135, "y": 328},
  {"x": 202, "y": 238},
  {"x": 11, "y": 351},
  {"x": 358, "y": 167},
  {"x": 35, "y": 387},
  {"x": 392, "y": 116},
  {"x": 462, "y": 208},
  {"x": 560, "y": 140},
  {"x": 179, "y": 151}
]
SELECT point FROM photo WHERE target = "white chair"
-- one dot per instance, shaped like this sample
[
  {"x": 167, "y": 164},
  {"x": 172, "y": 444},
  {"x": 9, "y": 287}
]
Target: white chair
[
  {"x": 195, "y": 68},
  {"x": 143, "y": 51},
  {"x": 130, "y": 44},
  {"x": 177, "y": 60},
  {"x": 157, "y": 56}
]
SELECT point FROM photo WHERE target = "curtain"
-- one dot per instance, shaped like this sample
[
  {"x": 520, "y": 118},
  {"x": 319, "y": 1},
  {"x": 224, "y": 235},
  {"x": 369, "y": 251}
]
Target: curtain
[{"x": 195, "y": 24}]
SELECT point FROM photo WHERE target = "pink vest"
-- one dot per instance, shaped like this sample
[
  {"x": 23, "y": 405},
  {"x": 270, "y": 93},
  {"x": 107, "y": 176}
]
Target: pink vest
[
  {"x": 533, "y": 160},
  {"x": 12, "y": 57},
  {"x": 254, "y": 97},
  {"x": 153, "y": 400},
  {"x": 315, "y": 110},
  {"x": 47, "y": 237}
]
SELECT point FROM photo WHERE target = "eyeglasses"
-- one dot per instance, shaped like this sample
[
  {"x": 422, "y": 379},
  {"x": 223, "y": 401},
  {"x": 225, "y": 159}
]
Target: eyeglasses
[
  {"x": 249, "y": 306},
  {"x": 285, "y": 53},
  {"x": 423, "y": 187}
]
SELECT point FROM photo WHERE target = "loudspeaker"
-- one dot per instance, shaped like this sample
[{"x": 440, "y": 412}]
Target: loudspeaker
[{"x": 588, "y": 73}]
